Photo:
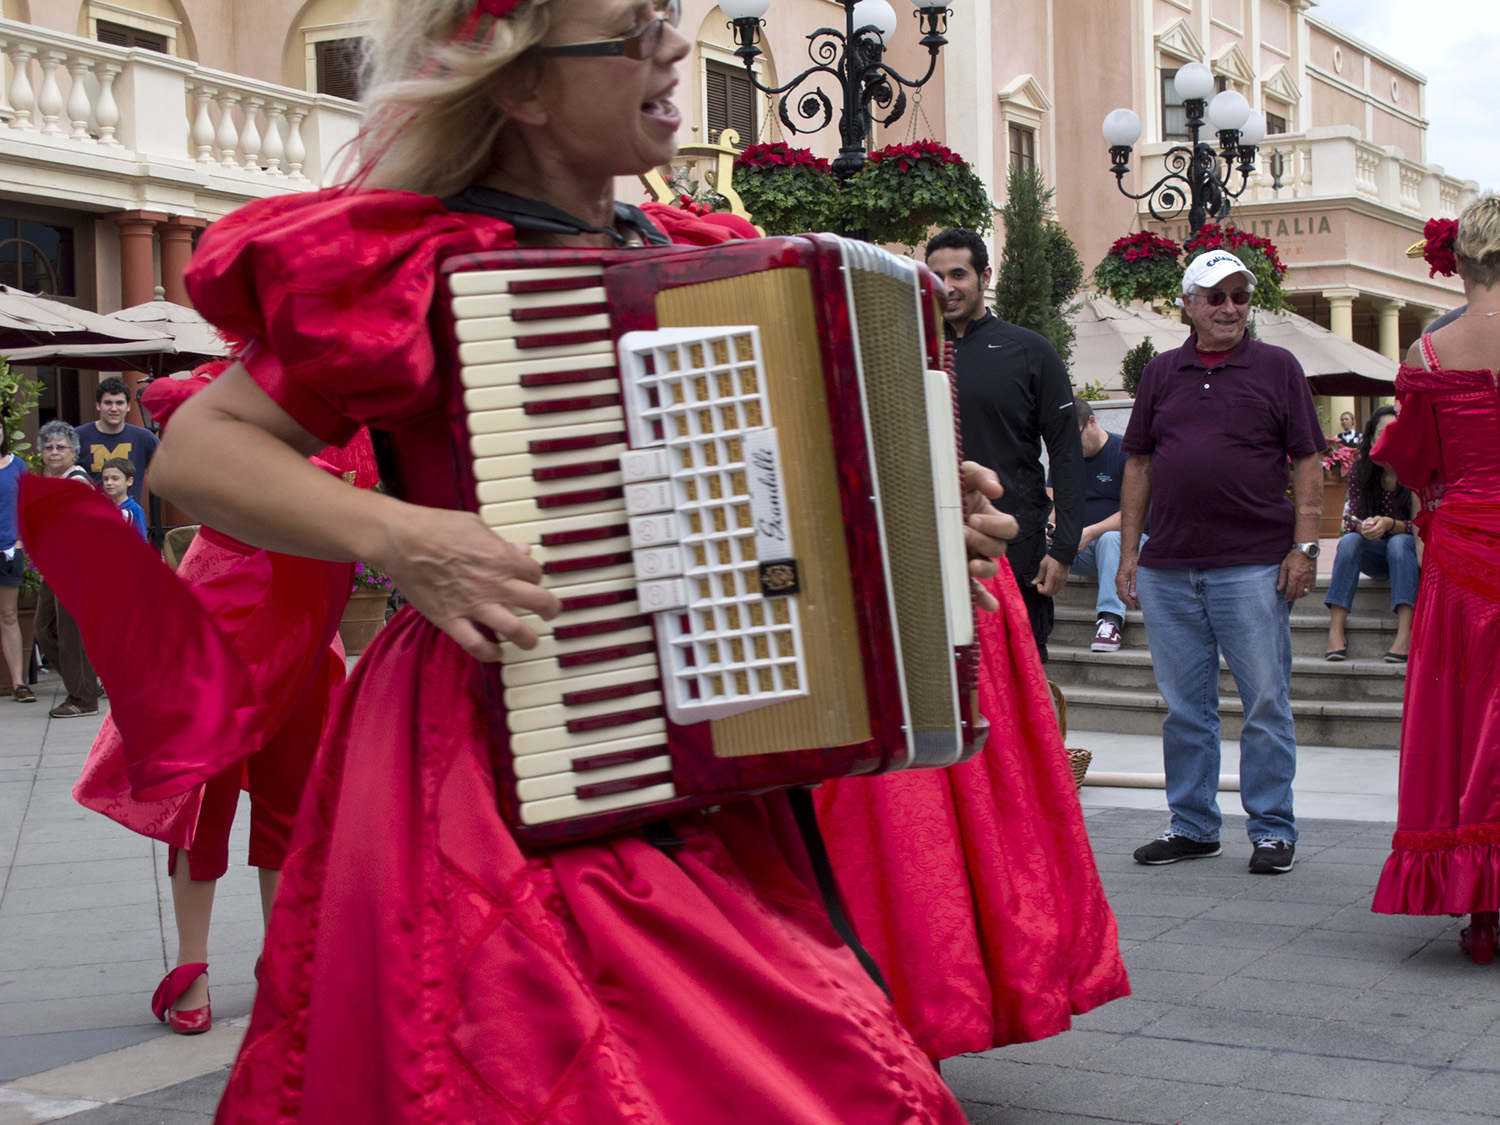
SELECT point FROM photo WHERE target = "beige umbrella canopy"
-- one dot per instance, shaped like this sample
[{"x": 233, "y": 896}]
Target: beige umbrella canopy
[
  {"x": 1334, "y": 366},
  {"x": 28, "y": 321},
  {"x": 181, "y": 340},
  {"x": 1106, "y": 330}
]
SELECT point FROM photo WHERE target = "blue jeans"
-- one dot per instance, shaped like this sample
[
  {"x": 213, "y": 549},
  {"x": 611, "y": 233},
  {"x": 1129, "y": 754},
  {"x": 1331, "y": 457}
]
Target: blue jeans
[
  {"x": 1394, "y": 558},
  {"x": 1101, "y": 559},
  {"x": 1191, "y": 615}
]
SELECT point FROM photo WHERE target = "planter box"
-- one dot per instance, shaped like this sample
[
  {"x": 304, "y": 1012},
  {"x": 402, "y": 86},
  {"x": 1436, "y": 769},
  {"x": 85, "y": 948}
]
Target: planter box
[
  {"x": 364, "y": 616},
  {"x": 1335, "y": 492}
]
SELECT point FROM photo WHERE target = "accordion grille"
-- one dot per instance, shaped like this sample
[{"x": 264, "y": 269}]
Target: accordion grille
[{"x": 886, "y": 314}]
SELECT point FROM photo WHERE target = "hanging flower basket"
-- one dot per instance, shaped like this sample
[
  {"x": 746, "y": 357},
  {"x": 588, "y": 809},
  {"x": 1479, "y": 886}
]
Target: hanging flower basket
[
  {"x": 1257, "y": 253},
  {"x": 903, "y": 191},
  {"x": 787, "y": 190},
  {"x": 1141, "y": 266}
]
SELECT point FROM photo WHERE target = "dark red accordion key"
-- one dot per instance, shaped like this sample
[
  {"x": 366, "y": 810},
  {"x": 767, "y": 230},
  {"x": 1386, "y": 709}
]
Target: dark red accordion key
[
  {"x": 618, "y": 758},
  {"x": 562, "y": 339},
  {"x": 623, "y": 785},
  {"x": 614, "y": 691},
  {"x": 597, "y": 628},
  {"x": 586, "y": 535},
  {"x": 556, "y": 312},
  {"x": 582, "y": 469},
  {"x": 582, "y": 496},
  {"x": 563, "y": 405},
  {"x": 600, "y": 655},
  {"x": 567, "y": 566},
  {"x": 581, "y": 441},
  {"x": 577, "y": 375},
  {"x": 618, "y": 719}
]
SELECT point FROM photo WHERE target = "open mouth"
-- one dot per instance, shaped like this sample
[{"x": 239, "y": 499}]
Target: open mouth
[{"x": 664, "y": 111}]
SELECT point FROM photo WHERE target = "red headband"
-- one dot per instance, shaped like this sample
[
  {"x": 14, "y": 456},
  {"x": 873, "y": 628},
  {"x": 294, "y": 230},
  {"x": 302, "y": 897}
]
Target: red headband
[{"x": 498, "y": 8}]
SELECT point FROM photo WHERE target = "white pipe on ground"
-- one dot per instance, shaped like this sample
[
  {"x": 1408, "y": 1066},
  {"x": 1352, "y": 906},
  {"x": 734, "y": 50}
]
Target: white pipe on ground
[{"x": 1228, "y": 783}]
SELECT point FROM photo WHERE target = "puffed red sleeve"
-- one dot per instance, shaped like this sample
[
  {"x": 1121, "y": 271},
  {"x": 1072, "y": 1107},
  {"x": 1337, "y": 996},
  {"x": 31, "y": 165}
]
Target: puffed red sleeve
[
  {"x": 332, "y": 292},
  {"x": 1410, "y": 443}
]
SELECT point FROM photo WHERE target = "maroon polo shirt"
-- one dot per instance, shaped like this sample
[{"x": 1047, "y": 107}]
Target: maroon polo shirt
[{"x": 1219, "y": 439}]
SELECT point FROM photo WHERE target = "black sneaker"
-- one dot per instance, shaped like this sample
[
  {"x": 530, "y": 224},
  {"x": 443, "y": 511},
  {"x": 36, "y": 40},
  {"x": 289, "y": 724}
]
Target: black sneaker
[
  {"x": 1172, "y": 847},
  {"x": 1272, "y": 857}
]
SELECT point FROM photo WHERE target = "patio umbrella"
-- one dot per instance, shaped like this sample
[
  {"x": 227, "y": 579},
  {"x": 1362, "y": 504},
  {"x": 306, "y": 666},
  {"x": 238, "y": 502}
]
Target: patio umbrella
[
  {"x": 28, "y": 321},
  {"x": 181, "y": 340},
  {"x": 1106, "y": 330},
  {"x": 1333, "y": 365}
]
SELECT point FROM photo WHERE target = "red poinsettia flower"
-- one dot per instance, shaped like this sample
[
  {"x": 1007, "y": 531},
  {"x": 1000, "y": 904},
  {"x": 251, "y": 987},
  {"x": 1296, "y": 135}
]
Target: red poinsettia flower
[
  {"x": 1143, "y": 246},
  {"x": 773, "y": 153},
  {"x": 1438, "y": 247},
  {"x": 907, "y": 156}
]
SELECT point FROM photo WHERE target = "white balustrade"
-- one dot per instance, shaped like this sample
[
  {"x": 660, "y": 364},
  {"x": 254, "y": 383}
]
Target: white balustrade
[
  {"x": 72, "y": 92},
  {"x": 1335, "y": 162}
]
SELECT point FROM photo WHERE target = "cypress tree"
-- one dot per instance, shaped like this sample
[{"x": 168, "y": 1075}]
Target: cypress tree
[{"x": 1024, "y": 289}]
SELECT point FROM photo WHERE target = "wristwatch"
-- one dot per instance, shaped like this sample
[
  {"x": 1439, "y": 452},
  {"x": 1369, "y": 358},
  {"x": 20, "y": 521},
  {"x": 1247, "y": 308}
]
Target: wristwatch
[{"x": 1308, "y": 549}]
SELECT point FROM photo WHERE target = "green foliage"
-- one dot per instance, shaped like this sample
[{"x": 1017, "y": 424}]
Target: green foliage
[
  {"x": 1093, "y": 392},
  {"x": 1141, "y": 266},
  {"x": 18, "y": 395},
  {"x": 1067, "y": 266},
  {"x": 31, "y": 580},
  {"x": 1134, "y": 363},
  {"x": 789, "y": 198},
  {"x": 903, "y": 191},
  {"x": 1024, "y": 289}
]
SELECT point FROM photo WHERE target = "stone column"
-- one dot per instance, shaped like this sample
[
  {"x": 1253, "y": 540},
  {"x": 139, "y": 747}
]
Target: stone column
[
  {"x": 176, "y": 252},
  {"x": 1390, "y": 328},
  {"x": 137, "y": 274},
  {"x": 1341, "y": 311},
  {"x": 1425, "y": 317}
]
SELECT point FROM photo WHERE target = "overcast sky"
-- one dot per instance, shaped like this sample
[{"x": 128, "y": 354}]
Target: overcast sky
[{"x": 1456, "y": 44}]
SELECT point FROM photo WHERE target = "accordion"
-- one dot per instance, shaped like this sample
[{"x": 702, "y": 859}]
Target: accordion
[{"x": 738, "y": 469}]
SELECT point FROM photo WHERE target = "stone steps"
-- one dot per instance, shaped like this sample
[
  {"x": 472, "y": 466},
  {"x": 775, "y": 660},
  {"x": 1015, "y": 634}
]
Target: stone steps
[{"x": 1355, "y": 703}]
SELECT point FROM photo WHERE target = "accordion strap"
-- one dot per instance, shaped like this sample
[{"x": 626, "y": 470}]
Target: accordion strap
[
  {"x": 807, "y": 821},
  {"x": 533, "y": 214}
]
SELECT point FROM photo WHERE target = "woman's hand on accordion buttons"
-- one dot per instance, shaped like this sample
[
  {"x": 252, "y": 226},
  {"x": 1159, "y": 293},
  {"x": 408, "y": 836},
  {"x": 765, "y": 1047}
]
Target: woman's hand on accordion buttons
[
  {"x": 468, "y": 581},
  {"x": 986, "y": 530}
]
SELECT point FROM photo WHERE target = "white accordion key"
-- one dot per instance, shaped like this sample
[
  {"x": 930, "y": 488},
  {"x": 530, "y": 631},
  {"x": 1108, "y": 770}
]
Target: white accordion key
[
  {"x": 571, "y": 808},
  {"x": 480, "y": 401},
  {"x": 521, "y": 441},
  {"x": 659, "y": 562},
  {"x": 561, "y": 714},
  {"x": 467, "y": 283},
  {"x": 655, "y": 530},
  {"x": 584, "y": 758},
  {"x": 516, "y": 419},
  {"x": 646, "y": 464},
  {"x": 508, "y": 304},
  {"x": 561, "y": 738},
  {"x": 510, "y": 373},
  {"x": 584, "y": 686},
  {"x": 566, "y": 784},
  {"x": 534, "y": 466},
  {"x": 544, "y": 671},
  {"x": 644, "y": 497},
  {"x": 510, "y": 351}
]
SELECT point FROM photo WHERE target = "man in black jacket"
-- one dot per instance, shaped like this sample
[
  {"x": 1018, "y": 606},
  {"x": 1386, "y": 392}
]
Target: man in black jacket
[{"x": 1013, "y": 394}]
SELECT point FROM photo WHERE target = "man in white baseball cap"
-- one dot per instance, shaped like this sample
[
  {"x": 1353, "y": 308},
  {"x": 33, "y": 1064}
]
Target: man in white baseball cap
[{"x": 1214, "y": 424}]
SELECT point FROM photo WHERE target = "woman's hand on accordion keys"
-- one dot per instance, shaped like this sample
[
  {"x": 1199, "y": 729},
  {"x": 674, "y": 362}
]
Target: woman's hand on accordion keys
[
  {"x": 468, "y": 581},
  {"x": 986, "y": 530}
]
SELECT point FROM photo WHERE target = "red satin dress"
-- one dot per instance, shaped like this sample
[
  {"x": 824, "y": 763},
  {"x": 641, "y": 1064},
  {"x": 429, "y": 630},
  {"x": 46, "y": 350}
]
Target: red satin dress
[
  {"x": 420, "y": 967},
  {"x": 974, "y": 888},
  {"x": 1445, "y": 444},
  {"x": 279, "y": 617}
]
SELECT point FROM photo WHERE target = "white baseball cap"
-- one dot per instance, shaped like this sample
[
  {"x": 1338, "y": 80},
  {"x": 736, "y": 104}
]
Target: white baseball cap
[{"x": 1207, "y": 271}]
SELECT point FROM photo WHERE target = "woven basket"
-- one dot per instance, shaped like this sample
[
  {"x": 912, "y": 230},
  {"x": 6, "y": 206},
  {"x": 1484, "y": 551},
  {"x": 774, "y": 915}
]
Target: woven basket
[{"x": 1078, "y": 760}]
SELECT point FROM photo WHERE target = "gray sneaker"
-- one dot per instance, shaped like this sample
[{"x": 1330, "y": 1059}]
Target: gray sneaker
[
  {"x": 1272, "y": 857},
  {"x": 1170, "y": 847}
]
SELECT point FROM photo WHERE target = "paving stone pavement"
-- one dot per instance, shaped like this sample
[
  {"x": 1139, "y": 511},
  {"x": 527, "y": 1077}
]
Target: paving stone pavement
[{"x": 1257, "y": 999}]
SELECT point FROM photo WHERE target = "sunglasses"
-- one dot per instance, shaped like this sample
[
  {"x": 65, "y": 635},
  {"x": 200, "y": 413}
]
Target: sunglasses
[
  {"x": 642, "y": 45},
  {"x": 1216, "y": 297}
]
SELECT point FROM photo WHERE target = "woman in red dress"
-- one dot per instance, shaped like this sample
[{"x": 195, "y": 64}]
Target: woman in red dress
[
  {"x": 280, "y": 614},
  {"x": 974, "y": 888},
  {"x": 420, "y": 966},
  {"x": 1445, "y": 446}
]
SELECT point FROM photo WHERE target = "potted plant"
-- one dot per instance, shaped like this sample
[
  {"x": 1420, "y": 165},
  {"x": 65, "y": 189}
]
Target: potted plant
[
  {"x": 1141, "y": 266},
  {"x": 1338, "y": 463},
  {"x": 18, "y": 395},
  {"x": 1259, "y": 254},
  {"x": 903, "y": 191},
  {"x": 365, "y": 613},
  {"x": 787, "y": 190}
]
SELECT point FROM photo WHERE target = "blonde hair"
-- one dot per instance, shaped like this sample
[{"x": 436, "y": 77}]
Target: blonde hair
[
  {"x": 430, "y": 122},
  {"x": 1477, "y": 244}
]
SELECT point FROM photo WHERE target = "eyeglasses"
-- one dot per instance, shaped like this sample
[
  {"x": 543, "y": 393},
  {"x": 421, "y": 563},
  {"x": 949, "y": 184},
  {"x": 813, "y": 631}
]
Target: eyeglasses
[
  {"x": 642, "y": 45},
  {"x": 57, "y": 447},
  {"x": 1216, "y": 297}
]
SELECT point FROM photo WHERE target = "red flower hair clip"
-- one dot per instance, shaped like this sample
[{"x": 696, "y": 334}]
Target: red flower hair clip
[
  {"x": 499, "y": 9},
  {"x": 1436, "y": 247}
]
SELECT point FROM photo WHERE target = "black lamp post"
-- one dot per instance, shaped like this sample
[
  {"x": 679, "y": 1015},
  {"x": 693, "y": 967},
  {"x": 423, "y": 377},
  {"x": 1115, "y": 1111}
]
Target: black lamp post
[
  {"x": 1194, "y": 181},
  {"x": 872, "y": 91}
]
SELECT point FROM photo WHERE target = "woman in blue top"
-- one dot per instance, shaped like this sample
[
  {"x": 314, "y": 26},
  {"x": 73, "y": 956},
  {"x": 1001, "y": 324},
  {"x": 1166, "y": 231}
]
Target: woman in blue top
[{"x": 12, "y": 571}]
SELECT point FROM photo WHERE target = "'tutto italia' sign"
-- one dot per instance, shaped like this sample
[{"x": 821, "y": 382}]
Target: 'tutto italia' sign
[{"x": 1286, "y": 226}]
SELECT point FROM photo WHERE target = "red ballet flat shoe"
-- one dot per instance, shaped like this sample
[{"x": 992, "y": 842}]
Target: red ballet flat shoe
[
  {"x": 1480, "y": 939},
  {"x": 195, "y": 1021}
]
